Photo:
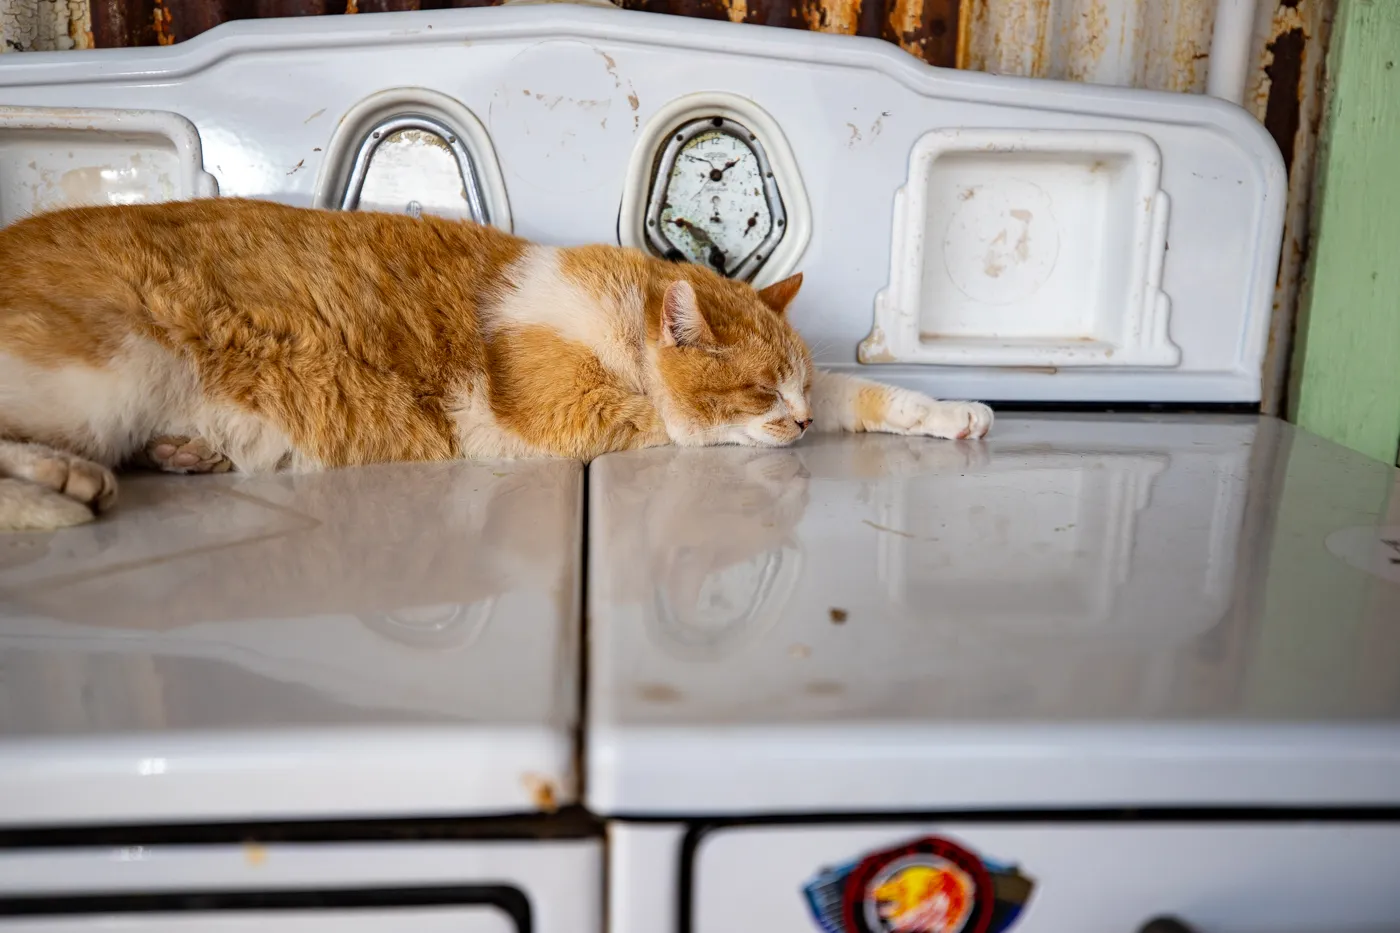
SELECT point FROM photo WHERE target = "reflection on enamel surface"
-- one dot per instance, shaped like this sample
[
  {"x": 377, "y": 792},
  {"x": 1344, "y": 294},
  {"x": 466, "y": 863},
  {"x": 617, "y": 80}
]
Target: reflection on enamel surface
[
  {"x": 1068, "y": 569},
  {"x": 725, "y": 562},
  {"x": 395, "y": 592}
]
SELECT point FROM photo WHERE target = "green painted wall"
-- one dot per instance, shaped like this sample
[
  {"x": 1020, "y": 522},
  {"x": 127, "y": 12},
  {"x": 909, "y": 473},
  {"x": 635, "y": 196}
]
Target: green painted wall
[{"x": 1346, "y": 376}]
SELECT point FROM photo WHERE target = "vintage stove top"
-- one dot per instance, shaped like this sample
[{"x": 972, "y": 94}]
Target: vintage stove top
[
  {"x": 378, "y": 641},
  {"x": 1086, "y": 611}
]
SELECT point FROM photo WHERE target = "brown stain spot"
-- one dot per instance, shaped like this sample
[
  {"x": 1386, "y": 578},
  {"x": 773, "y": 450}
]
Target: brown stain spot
[
  {"x": 1023, "y": 241},
  {"x": 255, "y": 855},
  {"x": 967, "y": 194},
  {"x": 824, "y": 688},
  {"x": 838, "y": 616},
  {"x": 633, "y": 101},
  {"x": 542, "y": 791},
  {"x": 658, "y": 693},
  {"x": 313, "y": 116},
  {"x": 1283, "y": 115},
  {"x": 296, "y": 168},
  {"x": 800, "y": 651}
]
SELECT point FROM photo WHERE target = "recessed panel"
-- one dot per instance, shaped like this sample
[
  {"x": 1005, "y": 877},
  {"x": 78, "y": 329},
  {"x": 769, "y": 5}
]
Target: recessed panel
[
  {"x": 52, "y": 158},
  {"x": 1027, "y": 249}
]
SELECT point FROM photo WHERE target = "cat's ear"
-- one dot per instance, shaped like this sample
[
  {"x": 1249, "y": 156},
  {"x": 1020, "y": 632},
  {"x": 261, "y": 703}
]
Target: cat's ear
[
  {"x": 780, "y": 294},
  {"x": 682, "y": 325}
]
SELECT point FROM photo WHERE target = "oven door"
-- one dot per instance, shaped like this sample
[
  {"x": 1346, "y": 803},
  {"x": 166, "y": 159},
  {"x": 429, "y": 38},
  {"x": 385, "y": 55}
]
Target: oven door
[
  {"x": 525, "y": 885},
  {"x": 1222, "y": 876}
]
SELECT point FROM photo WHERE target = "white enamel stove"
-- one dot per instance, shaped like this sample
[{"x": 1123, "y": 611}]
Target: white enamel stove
[{"x": 1097, "y": 672}]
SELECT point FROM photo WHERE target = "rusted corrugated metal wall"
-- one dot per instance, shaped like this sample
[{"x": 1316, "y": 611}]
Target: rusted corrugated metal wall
[
  {"x": 1158, "y": 44},
  {"x": 118, "y": 23},
  {"x": 927, "y": 28}
]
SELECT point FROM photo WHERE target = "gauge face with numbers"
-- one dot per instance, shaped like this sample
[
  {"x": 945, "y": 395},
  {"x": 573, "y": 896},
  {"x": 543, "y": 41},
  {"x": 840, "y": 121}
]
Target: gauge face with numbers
[{"x": 714, "y": 201}]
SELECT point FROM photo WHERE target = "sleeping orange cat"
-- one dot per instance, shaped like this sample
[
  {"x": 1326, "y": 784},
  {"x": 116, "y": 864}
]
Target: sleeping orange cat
[{"x": 207, "y": 335}]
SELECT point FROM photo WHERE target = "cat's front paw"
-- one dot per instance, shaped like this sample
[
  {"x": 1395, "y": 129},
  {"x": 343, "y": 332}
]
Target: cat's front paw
[
  {"x": 62, "y": 489},
  {"x": 954, "y": 420}
]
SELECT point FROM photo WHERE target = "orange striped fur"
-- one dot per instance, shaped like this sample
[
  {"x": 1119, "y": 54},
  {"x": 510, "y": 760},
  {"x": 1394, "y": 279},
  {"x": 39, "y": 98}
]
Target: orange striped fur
[{"x": 233, "y": 334}]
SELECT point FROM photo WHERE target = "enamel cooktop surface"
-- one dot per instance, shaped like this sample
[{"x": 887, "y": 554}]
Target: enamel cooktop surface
[
  {"x": 1081, "y": 611},
  {"x": 378, "y": 641}
]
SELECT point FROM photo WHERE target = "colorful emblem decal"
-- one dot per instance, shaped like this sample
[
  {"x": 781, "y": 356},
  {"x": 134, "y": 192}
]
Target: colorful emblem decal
[{"x": 931, "y": 885}]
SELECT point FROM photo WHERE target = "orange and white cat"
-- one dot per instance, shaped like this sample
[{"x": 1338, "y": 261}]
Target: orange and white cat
[{"x": 207, "y": 335}]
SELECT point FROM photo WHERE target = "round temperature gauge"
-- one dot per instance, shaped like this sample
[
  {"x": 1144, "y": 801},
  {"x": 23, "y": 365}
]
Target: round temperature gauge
[{"x": 714, "y": 200}]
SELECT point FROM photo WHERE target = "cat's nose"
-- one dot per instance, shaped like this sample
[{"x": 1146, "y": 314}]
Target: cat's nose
[{"x": 803, "y": 425}]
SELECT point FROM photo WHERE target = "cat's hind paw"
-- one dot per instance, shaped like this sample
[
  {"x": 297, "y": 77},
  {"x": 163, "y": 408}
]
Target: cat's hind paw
[{"x": 178, "y": 454}]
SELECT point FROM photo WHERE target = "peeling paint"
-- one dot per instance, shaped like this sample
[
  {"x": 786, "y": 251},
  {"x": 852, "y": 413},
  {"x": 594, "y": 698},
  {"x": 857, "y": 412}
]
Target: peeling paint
[
  {"x": 838, "y": 16},
  {"x": 45, "y": 25},
  {"x": 543, "y": 792},
  {"x": 161, "y": 20}
]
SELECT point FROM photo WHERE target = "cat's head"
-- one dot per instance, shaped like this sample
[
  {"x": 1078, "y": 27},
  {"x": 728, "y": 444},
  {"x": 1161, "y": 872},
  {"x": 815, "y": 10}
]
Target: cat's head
[{"x": 731, "y": 368}]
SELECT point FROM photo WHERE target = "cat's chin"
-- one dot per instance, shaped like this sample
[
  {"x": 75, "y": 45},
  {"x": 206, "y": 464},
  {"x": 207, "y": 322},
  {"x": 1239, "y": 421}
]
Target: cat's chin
[
  {"x": 768, "y": 441},
  {"x": 735, "y": 440}
]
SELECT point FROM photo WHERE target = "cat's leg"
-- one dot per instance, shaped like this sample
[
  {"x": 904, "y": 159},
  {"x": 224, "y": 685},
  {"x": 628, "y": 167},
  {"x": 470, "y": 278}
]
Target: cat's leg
[
  {"x": 44, "y": 488},
  {"x": 850, "y": 403},
  {"x": 172, "y": 453}
]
